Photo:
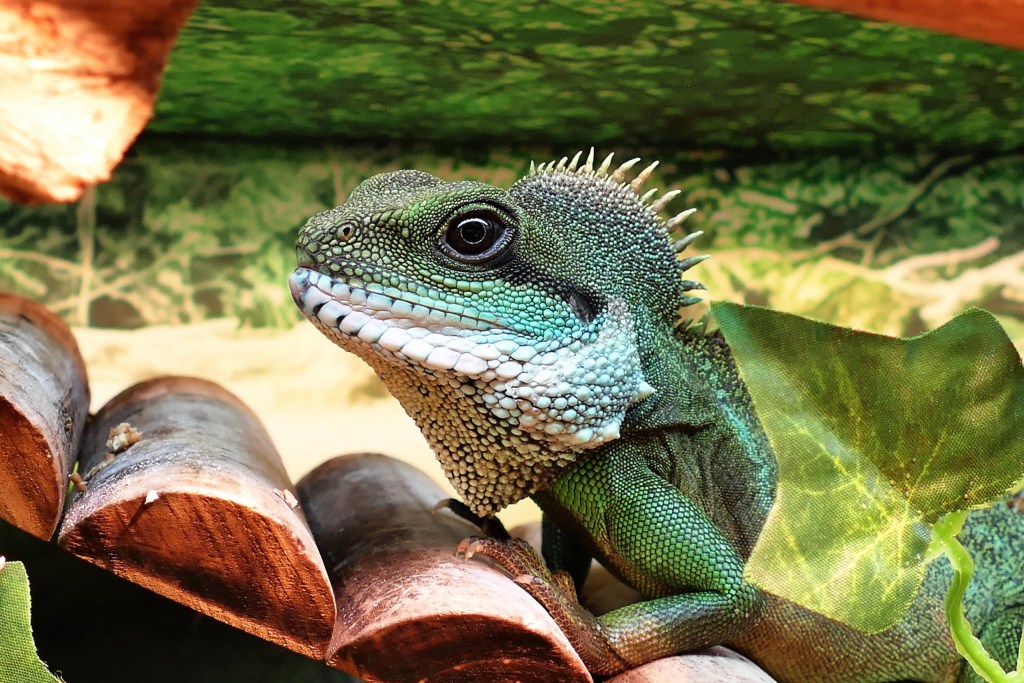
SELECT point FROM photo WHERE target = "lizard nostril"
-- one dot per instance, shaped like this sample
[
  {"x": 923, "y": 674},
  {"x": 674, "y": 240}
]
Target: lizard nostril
[
  {"x": 304, "y": 258},
  {"x": 345, "y": 231}
]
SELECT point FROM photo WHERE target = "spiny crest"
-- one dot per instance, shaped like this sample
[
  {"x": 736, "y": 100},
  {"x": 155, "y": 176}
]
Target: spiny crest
[
  {"x": 604, "y": 170},
  {"x": 699, "y": 327},
  {"x": 634, "y": 186}
]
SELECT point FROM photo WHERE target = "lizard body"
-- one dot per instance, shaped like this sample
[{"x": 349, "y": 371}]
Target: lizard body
[{"x": 533, "y": 335}]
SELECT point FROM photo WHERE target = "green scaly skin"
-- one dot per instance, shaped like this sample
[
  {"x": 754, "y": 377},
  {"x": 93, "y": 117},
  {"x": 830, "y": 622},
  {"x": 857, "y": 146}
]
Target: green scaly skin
[{"x": 533, "y": 334}]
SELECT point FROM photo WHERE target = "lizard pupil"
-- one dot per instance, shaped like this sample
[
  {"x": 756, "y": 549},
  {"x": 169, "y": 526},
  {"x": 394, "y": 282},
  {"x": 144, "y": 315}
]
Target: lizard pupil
[
  {"x": 473, "y": 231},
  {"x": 345, "y": 232}
]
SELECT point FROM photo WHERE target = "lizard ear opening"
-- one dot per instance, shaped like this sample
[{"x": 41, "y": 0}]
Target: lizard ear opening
[{"x": 581, "y": 307}]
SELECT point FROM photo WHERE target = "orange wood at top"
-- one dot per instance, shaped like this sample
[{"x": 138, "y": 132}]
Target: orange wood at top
[{"x": 992, "y": 21}]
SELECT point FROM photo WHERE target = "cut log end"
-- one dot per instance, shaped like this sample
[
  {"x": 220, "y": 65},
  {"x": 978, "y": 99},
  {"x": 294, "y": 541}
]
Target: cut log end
[
  {"x": 234, "y": 561},
  {"x": 186, "y": 496},
  {"x": 79, "y": 81},
  {"x": 457, "y": 649},
  {"x": 44, "y": 402},
  {"x": 988, "y": 21},
  {"x": 401, "y": 589},
  {"x": 31, "y": 481}
]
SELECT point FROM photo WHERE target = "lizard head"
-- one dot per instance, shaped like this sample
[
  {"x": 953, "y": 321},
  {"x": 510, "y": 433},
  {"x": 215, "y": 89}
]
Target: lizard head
[{"x": 509, "y": 324}]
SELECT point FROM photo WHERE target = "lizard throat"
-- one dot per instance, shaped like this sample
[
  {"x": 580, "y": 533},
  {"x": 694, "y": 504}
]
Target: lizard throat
[{"x": 505, "y": 414}]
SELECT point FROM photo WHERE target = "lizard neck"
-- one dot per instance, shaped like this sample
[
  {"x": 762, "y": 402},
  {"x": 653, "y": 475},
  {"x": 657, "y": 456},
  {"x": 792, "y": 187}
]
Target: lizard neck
[
  {"x": 682, "y": 368},
  {"x": 698, "y": 431},
  {"x": 720, "y": 456},
  {"x": 491, "y": 468}
]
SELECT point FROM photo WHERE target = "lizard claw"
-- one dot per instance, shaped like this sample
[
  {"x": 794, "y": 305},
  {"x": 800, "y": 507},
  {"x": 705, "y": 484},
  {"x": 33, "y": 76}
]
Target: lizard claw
[
  {"x": 555, "y": 591},
  {"x": 489, "y": 526},
  {"x": 466, "y": 548},
  {"x": 515, "y": 556},
  {"x": 526, "y": 579}
]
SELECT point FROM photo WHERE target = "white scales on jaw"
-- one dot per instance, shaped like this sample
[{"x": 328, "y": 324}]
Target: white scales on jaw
[{"x": 571, "y": 393}]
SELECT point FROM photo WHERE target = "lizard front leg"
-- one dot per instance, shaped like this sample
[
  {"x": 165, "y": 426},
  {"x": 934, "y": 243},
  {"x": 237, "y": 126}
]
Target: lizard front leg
[
  {"x": 658, "y": 541},
  {"x": 564, "y": 552},
  {"x": 663, "y": 544},
  {"x": 555, "y": 591}
]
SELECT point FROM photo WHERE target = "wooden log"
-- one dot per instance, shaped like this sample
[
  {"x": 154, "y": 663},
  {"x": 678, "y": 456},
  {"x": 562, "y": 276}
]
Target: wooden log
[
  {"x": 991, "y": 21},
  {"x": 714, "y": 665},
  {"x": 186, "y": 495},
  {"x": 44, "y": 403},
  {"x": 79, "y": 81},
  {"x": 408, "y": 609}
]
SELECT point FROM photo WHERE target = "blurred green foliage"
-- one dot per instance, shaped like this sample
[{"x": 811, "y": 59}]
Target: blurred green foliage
[
  {"x": 753, "y": 74},
  {"x": 185, "y": 232}
]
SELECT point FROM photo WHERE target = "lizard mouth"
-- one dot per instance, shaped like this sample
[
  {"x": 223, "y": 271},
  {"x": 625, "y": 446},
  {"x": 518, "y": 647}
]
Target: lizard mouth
[
  {"x": 442, "y": 336},
  {"x": 334, "y": 301}
]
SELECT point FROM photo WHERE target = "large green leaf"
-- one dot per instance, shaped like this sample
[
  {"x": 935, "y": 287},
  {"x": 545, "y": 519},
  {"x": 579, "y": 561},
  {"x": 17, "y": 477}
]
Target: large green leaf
[
  {"x": 876, "y": 438},
  {"x": 18, "y": 658}
]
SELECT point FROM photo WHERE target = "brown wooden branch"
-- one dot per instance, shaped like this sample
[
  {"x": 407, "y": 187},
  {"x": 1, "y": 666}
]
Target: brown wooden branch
[
  {"x": 79, "y": 81},
  {"x": 408, "y": 609},
  {"x": 714, "y": 665},
  {"x": 845, "y": 240},
  {"x": 941, "y": 259},
  {"x": 189, "y": 499},
  {"x": 1004, "y": 277},
  {"x": 54, "y": 263},
  {"x": 990, "y": 21},
  {"x": 113, "y": 281},
  {"x": 44, "y": 402},
  {"x": 85, "y": 218}
]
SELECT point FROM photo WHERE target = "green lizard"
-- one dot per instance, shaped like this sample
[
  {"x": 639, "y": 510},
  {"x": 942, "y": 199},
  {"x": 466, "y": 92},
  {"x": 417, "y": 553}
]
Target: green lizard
[{"x": 534, "y": 336}]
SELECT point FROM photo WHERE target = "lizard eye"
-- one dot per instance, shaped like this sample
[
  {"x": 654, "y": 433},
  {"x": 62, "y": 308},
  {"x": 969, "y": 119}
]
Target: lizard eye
[
  {"x": 345, "y": 231},
  {"x": 475, "y": 237}
]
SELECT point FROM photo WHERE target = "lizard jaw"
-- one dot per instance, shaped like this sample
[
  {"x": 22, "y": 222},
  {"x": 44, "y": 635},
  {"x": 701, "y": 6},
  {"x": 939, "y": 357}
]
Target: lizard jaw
[
  {"x": 572, "y": 393},
  {"x": 518, "y": 403}
]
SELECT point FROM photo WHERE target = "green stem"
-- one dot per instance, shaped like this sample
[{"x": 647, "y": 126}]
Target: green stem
[
  {"x": 967, "y": 644},
  {"x": 1018, "y": 675}
]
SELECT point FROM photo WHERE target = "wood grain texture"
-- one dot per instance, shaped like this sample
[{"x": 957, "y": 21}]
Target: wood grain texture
[
  {"x": 44, "y": 402},
  {"x": 1000, "y": 22},
  {"x": 714, "y": 665},
  {"x": 408, "y": 609},
  {"x": 79, "y": 81},
  {"x": 198, "y": 510}
]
